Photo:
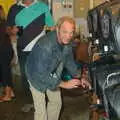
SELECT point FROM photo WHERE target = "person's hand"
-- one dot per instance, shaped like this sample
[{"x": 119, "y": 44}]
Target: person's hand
[
  {"x": 73, "y": 83},
  {"x": 12, "y": 31},
  {"x": 85, "y": 83}
]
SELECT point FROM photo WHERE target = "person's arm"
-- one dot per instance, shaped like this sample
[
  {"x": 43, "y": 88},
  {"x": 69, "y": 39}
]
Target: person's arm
[
  {"x": 73, "y": 83},
  {"x": 12, "y": 30},
  {"x": 75, "y": 72},
  {"x": 12, "y": 15},
  {"x": 71, "y": 66},
  {"x": 11, "y": 26}
]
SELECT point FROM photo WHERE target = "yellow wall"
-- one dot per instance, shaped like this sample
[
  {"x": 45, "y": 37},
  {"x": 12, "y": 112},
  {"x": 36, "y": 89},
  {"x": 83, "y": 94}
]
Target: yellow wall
[{"x": 6, "y": 4}]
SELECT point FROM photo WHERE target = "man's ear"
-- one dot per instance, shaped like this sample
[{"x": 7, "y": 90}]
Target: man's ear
[{"x": 57, "y": 30}]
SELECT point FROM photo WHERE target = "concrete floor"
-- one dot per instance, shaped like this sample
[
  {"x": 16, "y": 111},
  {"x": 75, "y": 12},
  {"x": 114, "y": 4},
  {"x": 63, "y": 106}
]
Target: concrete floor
[{"x": 75, "y": 106}]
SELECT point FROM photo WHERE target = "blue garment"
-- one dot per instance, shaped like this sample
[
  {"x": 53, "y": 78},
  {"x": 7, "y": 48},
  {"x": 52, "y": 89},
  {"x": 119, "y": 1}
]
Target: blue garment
[{"x": 44, "y": 59}]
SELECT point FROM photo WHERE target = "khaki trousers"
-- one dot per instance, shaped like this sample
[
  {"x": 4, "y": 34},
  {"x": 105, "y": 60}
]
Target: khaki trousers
[{"x": 46, "y": 109}]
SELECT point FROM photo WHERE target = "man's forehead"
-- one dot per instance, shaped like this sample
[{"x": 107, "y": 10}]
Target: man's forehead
[{"x": 67, "y": 23}]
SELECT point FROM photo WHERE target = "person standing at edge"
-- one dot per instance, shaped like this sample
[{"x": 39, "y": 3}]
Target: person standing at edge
[
  {"x": 29, "y": 17},
  {"x": 6, "y": 56},
  {"x": 44, "y": 67}
]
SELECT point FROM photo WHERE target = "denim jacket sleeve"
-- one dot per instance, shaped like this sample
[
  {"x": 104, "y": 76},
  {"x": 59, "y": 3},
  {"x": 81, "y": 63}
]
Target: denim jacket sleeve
[{"x": 70, "y": 64}]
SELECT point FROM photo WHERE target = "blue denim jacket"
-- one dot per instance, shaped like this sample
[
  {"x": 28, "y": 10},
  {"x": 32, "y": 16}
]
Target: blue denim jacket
[{"x": 44, "y": 59}]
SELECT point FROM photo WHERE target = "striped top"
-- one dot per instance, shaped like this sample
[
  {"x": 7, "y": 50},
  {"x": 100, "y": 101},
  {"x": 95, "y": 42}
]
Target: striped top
[{"x": 31, "y": 19}]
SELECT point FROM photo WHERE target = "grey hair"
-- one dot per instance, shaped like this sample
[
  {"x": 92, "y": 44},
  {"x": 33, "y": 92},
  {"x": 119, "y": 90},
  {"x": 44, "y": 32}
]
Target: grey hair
[{"x": 65, "y": 18}]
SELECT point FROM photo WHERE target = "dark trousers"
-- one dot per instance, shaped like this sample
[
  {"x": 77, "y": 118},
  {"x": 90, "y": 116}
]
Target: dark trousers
[
  {"x": 5, "y": 73},
  {"x": 22, "y": 56},
  {"x": 6, "y": 55}
]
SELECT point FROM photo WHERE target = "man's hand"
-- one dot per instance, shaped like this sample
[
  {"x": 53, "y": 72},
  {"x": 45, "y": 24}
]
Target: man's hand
[
  {"x": 12, "y": 30},
  {"x": 85, "y": 83},
  {"x": 73, "y": 83}
]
